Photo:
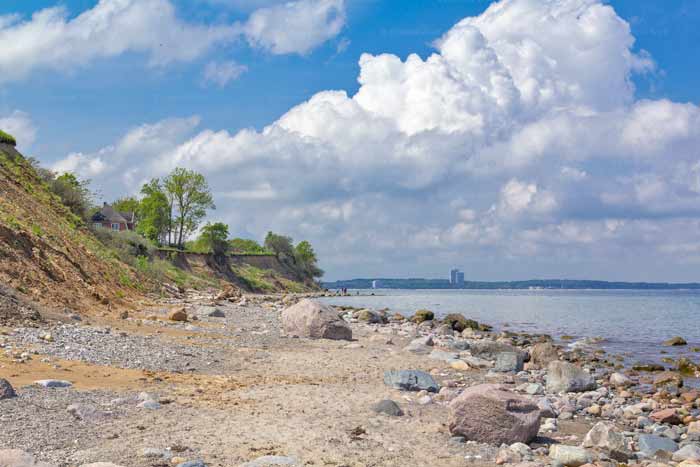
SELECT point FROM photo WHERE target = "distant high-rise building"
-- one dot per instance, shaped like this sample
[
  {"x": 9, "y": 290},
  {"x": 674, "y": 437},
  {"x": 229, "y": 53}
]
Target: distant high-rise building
[{"x": 456, "y": 278}]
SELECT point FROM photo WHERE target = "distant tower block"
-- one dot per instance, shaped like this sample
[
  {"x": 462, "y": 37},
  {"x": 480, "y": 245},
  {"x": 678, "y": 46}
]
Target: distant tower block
[{"x": 456, "y": 278}]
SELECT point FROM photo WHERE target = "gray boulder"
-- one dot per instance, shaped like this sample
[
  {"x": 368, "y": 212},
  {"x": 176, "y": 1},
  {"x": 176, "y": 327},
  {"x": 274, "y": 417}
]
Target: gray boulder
[
  {"x": 194, "y": 463},
  {"x": 443, "y": 356},
  {"x": 689, "y": 452},
  {"x": 650, "y": 445},
  {"x": 509, "y": 362},
  {"x": 86, "y": 412},
  {"x": 420, "y": 346},
  {"x": 269, "y": 461},
  {"x": 570, "y": 456},
  {"x": 488, "y": 413},
  {"x": 490, "y": 349},
  {"x": 312, "y": 319},
  {"x": 6, "y": 390},
  {"x": 217, "y": 313},
  {"x": 410, "y": 380},
  {"x": 567, "y": 377},
  {"x": 53, "y": 383},
  {"x": 604, "y": 437},
  {"x": 543, "y": 353},
  {"x": 388, "y": 407}
]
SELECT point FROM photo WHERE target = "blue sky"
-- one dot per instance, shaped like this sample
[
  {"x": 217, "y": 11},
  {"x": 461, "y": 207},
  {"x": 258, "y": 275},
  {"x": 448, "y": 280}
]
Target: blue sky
[{"x": 119, "y": 109}]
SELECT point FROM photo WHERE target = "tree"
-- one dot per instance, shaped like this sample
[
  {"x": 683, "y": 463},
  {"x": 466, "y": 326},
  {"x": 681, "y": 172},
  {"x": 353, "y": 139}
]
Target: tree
[
  {"x": 189, "y": 196},
  {"x": 126, "y": 204},
  {"x": 306, "y": 259},
  {"x": 73, "y": 192},
  {"x": 244, "y": 245},
  {"x": 214, "y": 238},
  {"x": 153, "y": 212},
  {"x": 280, "y": 245}
]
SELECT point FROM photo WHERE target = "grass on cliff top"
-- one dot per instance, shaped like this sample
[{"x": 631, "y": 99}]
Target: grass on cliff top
[{"x": 7, "y": 138}]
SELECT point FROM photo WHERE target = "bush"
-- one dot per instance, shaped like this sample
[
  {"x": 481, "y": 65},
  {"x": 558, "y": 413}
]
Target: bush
[
  {"x": 7, "y": 138},
  {"x": 129, "y": 246}
]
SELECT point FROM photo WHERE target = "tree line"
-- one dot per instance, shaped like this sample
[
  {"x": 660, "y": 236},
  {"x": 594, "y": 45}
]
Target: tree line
[{"x": 170, "y": 210}]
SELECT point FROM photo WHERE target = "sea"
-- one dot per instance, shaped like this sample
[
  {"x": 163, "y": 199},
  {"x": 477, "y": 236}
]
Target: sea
[{"x": 630, "y": 323}]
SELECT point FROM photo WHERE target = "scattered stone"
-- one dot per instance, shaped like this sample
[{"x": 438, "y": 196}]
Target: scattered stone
[
  {"x": 6, "y": 390},
  {"x": 543, "y": 354},
  {"x": 194, "y": 463},
  {"x": 456, "y": 322},
  {"x": 604, "y": 437},
  {"x": 675, "y": 341},
  {"x": 668, "y": 377},
  {"x": 217, "y": 313},
  {"x": 269, "y": 461},
  {"x": 309, "y": 318},
  {"x": 689, "y": 452},
  {"x": 570, "y": 456},
  {"x": 669, "y": 416},
  {"x": 388, "y": 407},
  {"x": 489, "y": 349},
  {"x": 154, "y": 453},
  {"x": 149, "y": 404},
  {"x": 369, "y": 316},
  {"x": 649, "y": 445},
  {"x": 488, "y": 413},
  {"x": 509, "y": 362},
  {"x": 443, "y": 356},
  {"x": 101, "y": 464},
  {"x": 229, "y": 292},
  {"x": 420, "y": 346},
  {"x": 477, "y": 362},
  {"x": 178, "y": 315},
  {"x": 648, "y": 366},
  {"x": 410, "y": 380},
  {"x": 459, "y": 365},
  {"x": 423, "y": 315},
  {"x": 620, "y": 381},
  {"x": 86, "y": 412},
  {"x": 53, "y": 383},
  {"x": 567, "y": 377}
]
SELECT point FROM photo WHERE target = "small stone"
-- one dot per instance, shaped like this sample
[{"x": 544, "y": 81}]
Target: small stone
[
  {"x": 459, "y": 365},
  {"x": 388, "y": 407},
  {"x": 423, "y": 315},
  {"x": 603, "y": 436},
  {"x": 6, "y": 390},
  {"x": 509, "y": 362},
  {"x": 669, "y": 416},
  {"x": 567, "y": 377},
  {"x": 19, "y": 458},
  {"x": 649, "y": 445},
  {"x": 675, "y": 341},
  {"x": 178, "y": 315},
  {"x": 270, "y": 461},
  {"x": 217, "y": 313},
  {"x": 195, "y": 463},
  {"x": 150, "y": 405},
  {"x": 53, "y": 383},
  {"x": 689, "y": 452},
  {"x": 619, "y": 380},
  {"x": 570, "y": 456},
  {"x": 410, "y": 380}
]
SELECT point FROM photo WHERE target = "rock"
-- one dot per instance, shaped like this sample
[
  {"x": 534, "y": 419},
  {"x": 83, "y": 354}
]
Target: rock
[
  {"x": 689, "y": 452},
  {"x": 420, "y": 346},
  {"x": 369, "y": 316},
  {"x": 490, "y": 349},
  {"x": 543, "y": 354},
  {"x": 6, "y": 390},
  {"x": 668, "y": 377},
  {"x": 154, "y": 453},
  {"x": 687, "y": 366},
  {"x": 269, "y": 461},
  {"x": 604, "y": 437},
  {"x": 620, "y": 381},
  {"x": 388, "y": 407},
  {"x": 476, "y": 362},
  {"x": 217, "y": 313},
  {"x": 570, "y": 456},
  {"x": 457, "y": 322},
  {"x": 669, "y": 416},
  {"x": 86, "y": 412},
  {"x": 488, "y": 413},
  {"x": 649, "y": 445},
  {"x": 566, "y": 377},
  {"x": 309, "y": 318},
  {"x": 694, "y": 428},
  {"x": 422, "y": 315},
  {"x": 195, "y": 463},
  {"x": 675, "y": 341},
  {"x": 648, "y": 366},
  {"x": 19, "y": 458},
  {"x": 443, "y": 356},
  {"x": 410, "y": 380},
  {"x": 459, "y": 365},
  {"x": 53, "y": 383},
  {"x": 509, "y": 362},
  {"x": 178, "y": 314},
  {"x": 149, "y": 404},
  {"x": 101, "y": 464}
]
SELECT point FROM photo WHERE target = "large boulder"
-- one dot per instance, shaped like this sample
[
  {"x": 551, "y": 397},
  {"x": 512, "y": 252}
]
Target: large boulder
[
  {"x": 309, "y": 318},
  {"x": 567, "y": 377},
  {"x": 411, "y": 380},
  {"x": 675, "y": 341},
  {"x": 509, "y": 362},
  {"x": 423, "y": 315},
  {"x": 650, "y": 445},
  {"x": 19, "y": 458},
  {"x": 570, "y": 456},
  {"x": 488, "y": 413},
  {"x": 603, "y": 436},
  {"x": 490, "y": 349},
  {"x": 6, "y": 390},
  {"x": 459, "y": 323}
]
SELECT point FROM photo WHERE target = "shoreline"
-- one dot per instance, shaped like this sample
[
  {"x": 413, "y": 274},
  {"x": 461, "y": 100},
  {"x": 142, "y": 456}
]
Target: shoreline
[{"x": 234, "y": 388}]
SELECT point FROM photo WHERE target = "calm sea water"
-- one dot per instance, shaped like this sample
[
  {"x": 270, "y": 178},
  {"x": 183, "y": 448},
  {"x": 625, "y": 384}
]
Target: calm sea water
[{"x": 631, "y": 323}]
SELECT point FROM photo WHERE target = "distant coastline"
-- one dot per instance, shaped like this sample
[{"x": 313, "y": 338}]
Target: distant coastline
[{"x": 515, "y": 285}]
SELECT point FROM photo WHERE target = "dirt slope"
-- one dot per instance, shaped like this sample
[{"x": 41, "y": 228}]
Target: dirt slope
[{"x": 44, "y": 252}]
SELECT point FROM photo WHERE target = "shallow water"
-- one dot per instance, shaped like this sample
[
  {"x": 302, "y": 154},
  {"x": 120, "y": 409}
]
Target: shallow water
[{"x": 633, "y": 323}]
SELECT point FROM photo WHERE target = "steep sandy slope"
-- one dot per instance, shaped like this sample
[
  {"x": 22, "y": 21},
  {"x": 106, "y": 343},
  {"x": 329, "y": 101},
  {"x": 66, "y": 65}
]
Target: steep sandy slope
[{"x": 46, "y": 255}]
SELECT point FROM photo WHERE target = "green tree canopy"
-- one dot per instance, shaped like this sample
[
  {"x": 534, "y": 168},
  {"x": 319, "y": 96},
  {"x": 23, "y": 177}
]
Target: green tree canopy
[
  {"x": 126, "y": 204},
  {"x": 73, "y": 192},
  {"x": 245, "y": 245},
  {"x": 280, "y": 245},
  {"x": 214, "y": 238},
  {"x": 153, "y": 212},
  {"x": 306, "y": 259},
  {"x": 189, "y": 197}
]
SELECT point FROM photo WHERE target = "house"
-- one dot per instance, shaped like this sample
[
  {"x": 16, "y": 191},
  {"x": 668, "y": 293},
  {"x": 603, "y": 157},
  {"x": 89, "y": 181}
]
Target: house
[{"x": 108, "y": 218}]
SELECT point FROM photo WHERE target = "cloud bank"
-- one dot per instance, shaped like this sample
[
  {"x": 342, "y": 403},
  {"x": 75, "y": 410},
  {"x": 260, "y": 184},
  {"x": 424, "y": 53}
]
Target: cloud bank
[{"x": 518, "y": 144}]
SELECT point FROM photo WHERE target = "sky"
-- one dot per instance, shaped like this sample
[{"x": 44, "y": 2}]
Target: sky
[{"x": 515, "y": 139}]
